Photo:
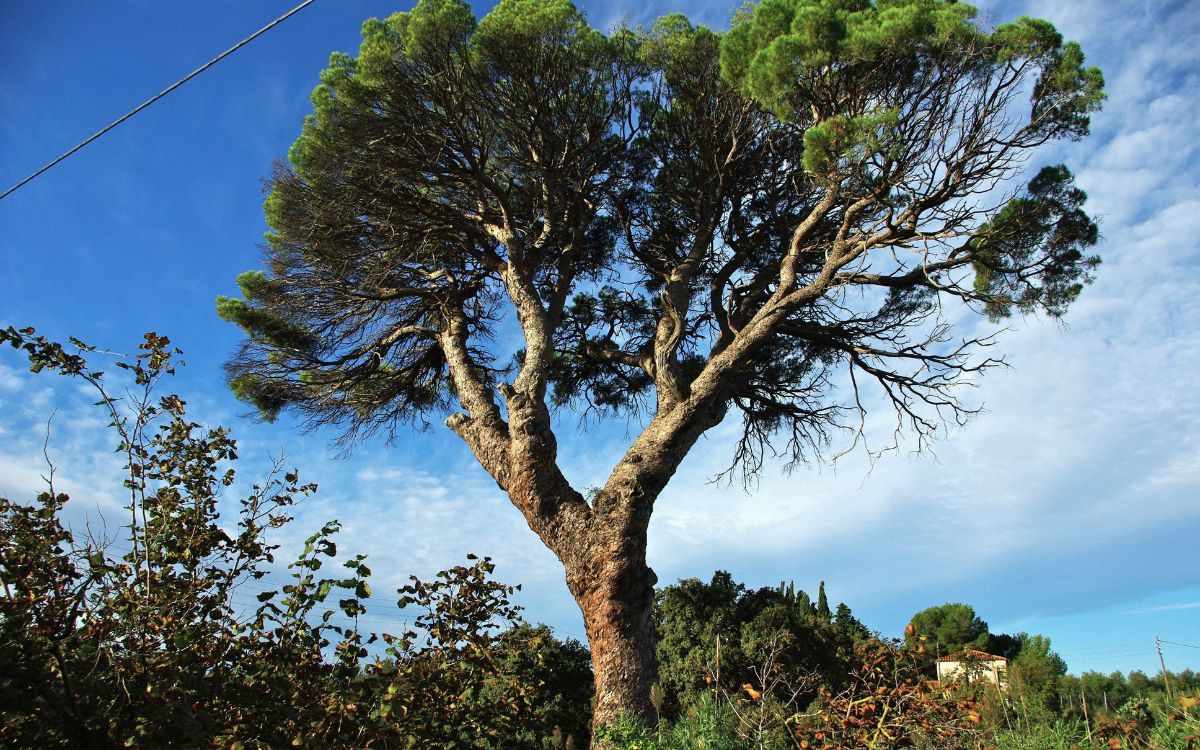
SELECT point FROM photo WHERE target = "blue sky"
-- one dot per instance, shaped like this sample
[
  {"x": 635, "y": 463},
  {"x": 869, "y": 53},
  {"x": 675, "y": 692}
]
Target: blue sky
[{"x": 1069, "y": 508}]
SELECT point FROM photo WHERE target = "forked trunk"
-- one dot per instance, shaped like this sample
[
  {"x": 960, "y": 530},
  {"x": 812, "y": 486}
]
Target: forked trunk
[
  {"x": 610, "y": 579},
  {"x": 601, "y": 543}
]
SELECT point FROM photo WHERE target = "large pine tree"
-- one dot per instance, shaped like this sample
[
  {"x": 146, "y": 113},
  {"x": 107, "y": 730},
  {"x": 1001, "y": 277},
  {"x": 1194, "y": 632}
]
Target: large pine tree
[{"x": 680, "y": 221}]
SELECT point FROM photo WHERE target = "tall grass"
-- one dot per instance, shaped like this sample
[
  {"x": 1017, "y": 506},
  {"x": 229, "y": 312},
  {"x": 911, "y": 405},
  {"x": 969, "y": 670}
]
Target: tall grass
[
  {"x": 1159, "y": 727},
  {"x": 1061, "y": 735},
  {"x": 706, "y": 726},
  {"x": 1175, "y": 730},
  {"x": 711, "y": 726}
]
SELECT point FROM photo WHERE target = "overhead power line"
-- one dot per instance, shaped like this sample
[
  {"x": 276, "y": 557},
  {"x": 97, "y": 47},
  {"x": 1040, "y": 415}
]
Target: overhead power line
[{"x": 161, "y": 94}]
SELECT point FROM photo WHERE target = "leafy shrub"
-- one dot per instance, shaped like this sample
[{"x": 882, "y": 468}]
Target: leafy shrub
[
  {"x": 886, "y": 706},
  {"x": 889, "y": 705},
  {"x": 101, "y": 648}
]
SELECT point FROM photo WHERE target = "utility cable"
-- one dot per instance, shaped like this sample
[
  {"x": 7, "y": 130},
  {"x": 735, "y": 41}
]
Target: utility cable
[{"x": 161, "y": 94}]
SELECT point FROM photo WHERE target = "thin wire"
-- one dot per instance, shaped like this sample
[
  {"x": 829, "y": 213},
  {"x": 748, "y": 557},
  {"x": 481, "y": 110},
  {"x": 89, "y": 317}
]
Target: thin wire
[
  {"x": 161, "y": 94},
  {"x": 1185, "y": 645}
]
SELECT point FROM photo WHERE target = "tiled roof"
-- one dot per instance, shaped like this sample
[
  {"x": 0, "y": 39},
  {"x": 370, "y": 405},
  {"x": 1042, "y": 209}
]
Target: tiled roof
[{"x": 973, "y": 654}]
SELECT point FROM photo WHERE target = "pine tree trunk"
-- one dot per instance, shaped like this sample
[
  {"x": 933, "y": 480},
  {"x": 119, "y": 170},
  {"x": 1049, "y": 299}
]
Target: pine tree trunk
[
  {"x": 611, "y": 581},
  {"x": 600, "y": 541},
  {"x": 615, "y": 592}
]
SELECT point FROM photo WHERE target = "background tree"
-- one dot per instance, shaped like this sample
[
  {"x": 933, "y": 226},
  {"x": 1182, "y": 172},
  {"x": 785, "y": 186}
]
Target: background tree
[
  {"x": 690, "y": 615},
  {"x": 779, "y": 624},
  {"x": 823, "y": 610},
  {"x": 1002, "y": 644},
  {"x": 1139, "y": 683},
  {"x": 1035, "y": 673},
  {"x": 1104, "y": 691},
  {"x": 559, "y": 715},
  {"x": 681, "y": 223},
  {"x": 945, "y": 630}
]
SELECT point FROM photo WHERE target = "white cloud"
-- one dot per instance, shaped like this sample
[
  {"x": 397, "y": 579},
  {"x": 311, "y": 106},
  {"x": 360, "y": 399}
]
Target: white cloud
[
  {"x": 53, "y": 426},
  {"x": 10, "y": 380},
  {"x": 1164, "y": 608}
]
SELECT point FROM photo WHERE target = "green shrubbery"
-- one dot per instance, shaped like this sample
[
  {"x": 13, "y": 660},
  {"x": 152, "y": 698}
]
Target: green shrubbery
[
  {"x": 144, "y": 646},
  {"x": 929, "y": 721},
  {"x": 721, "y": 635}
]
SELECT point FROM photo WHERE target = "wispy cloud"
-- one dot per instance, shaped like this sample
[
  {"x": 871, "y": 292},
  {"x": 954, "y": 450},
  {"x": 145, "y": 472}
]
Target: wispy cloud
[{"x": 1164, "y": 608}]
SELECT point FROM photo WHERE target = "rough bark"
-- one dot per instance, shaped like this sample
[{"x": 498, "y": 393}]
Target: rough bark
[{"x": 615, "y": 591}]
